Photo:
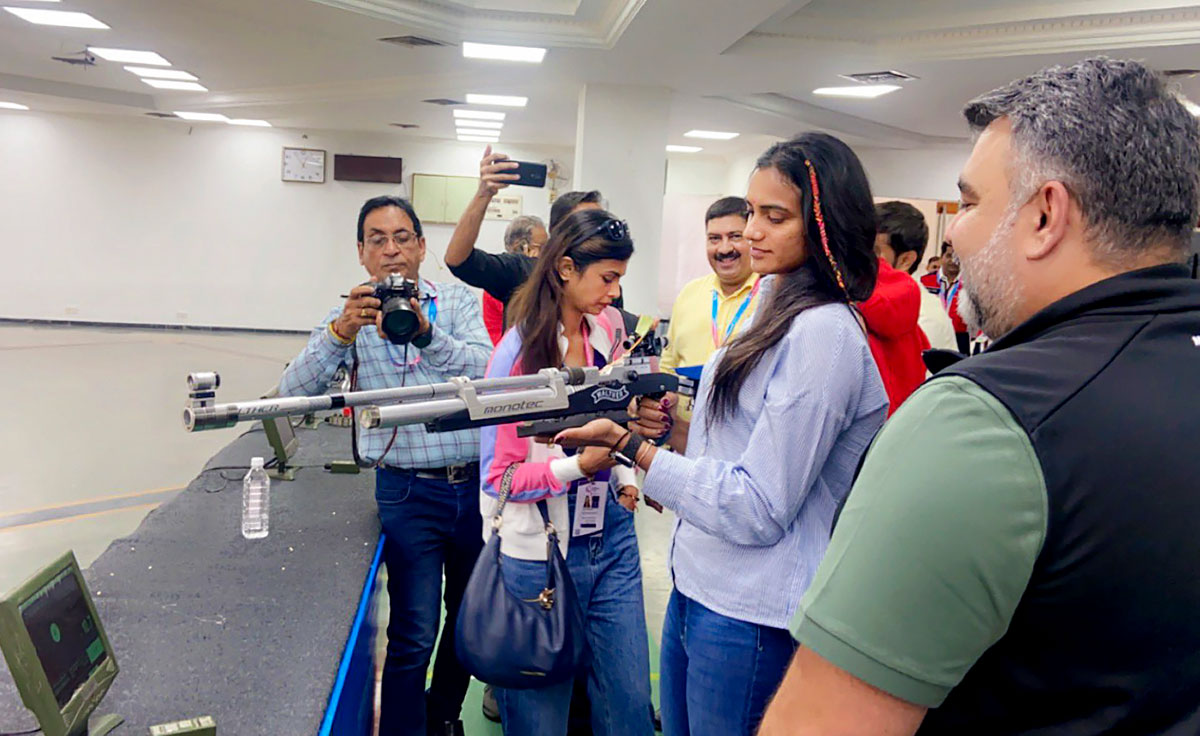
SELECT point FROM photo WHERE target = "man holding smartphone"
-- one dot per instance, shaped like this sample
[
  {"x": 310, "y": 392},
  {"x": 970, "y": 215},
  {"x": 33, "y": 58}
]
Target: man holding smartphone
[{"x": 500, "y": 274}]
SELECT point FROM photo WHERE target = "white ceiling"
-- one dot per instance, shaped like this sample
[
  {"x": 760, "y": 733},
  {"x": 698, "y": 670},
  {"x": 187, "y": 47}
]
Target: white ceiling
[{"x": 747, "y": 66}]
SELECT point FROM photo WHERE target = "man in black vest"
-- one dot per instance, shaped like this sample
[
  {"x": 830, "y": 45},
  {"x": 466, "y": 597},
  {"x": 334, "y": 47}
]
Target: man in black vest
[{"x": 1049, "y": 580}]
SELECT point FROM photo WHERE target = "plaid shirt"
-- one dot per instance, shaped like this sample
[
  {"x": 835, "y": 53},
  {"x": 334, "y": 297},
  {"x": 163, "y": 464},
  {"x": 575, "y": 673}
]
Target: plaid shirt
[{"x": 460, "y": 347}]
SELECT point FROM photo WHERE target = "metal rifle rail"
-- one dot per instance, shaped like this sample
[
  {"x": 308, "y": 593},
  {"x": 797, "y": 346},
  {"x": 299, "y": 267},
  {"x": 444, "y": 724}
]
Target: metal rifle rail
[
  {"x": 435, "y": 399},
  {"x": 600, "y": 393}
]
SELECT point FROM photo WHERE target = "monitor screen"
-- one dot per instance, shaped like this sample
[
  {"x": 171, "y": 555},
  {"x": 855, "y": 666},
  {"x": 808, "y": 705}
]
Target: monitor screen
[{"x": 64, "y": 634}]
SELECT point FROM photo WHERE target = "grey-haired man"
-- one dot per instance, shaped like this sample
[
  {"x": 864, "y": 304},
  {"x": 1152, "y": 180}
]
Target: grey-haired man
[{"x": 1019, "y": 552}]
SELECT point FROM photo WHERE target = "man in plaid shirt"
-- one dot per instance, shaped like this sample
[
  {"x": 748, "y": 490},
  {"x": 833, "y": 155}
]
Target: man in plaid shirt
[{"x": 426, "y": 484}]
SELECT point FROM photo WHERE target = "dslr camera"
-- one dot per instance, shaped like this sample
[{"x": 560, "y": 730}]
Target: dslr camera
[{"x": 400, "y": 322}]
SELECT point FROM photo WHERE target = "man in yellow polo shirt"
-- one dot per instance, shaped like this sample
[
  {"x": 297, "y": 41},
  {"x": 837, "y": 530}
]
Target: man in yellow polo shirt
[{"x": 711, "y": 309}]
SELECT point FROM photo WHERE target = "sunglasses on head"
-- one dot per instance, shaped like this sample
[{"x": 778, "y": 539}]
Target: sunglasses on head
[{"x": 614, "y": 229}]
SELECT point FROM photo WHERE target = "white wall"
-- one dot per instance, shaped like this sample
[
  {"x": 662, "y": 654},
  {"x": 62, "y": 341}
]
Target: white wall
[
  {"x": 693, "y": 183},
  {"x": 113, "y": 220},
  {"x": 922, "y": 173}
]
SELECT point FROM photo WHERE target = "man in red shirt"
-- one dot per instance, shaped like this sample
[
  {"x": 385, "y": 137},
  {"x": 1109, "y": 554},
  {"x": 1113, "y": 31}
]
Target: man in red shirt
[
  {"x": 930, "y": 279},
  {"x": 891, "y": 315},
  {"x": 948, "y": 287}
]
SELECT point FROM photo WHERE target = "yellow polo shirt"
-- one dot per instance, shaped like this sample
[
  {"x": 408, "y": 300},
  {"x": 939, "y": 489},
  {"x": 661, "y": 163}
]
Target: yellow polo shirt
[{"x": 690, "y": 333}]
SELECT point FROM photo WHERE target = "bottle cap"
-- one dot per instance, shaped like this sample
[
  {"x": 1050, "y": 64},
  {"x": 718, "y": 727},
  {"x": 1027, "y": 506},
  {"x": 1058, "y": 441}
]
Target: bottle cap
[{"x": 256, "y": 463}]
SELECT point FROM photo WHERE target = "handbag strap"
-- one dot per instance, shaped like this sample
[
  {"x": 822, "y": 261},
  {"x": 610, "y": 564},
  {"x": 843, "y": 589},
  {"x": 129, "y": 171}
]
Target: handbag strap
[
  {"x": 506, "y": 482},
  {"x": 547, "y": 597}
]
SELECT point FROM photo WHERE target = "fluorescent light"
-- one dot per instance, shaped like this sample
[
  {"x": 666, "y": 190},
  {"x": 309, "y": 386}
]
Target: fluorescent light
[
  {"x": 500, "y": 100},
  {"x": 496, "y": 52},
  {"x": 252, "y": 123},
  {"x": 479, "y": 123},
  {"x": 13, "y": 106},
  {"x": 478, "y": 131},
  {"x": 714, "y": 135},
  {"x": 478, "y": 115},
  {"x": 129, "y": 56},
  {"x": 684, "y": 149},
  {"x": 173, "y": 84},
  {"x": 204, "y": 117},
  {"x": 859, "y": 90},
  {"x": 146, "y": 71},
  {"x": 66, "y": 18},
  {"x": 477, "y": 139}
]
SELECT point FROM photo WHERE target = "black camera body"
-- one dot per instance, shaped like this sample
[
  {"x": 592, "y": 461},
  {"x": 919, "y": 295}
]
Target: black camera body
[{"x": 400, "y": 322}]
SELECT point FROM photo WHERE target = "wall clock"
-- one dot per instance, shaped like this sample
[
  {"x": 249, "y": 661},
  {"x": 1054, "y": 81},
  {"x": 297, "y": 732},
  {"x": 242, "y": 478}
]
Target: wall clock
[{"x": 304, "y": 164}]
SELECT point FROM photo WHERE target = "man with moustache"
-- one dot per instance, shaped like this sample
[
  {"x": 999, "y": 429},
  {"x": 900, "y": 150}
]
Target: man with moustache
[
  {"x": 710, "y": 310},
  {"x": 1019, "y": 552}
]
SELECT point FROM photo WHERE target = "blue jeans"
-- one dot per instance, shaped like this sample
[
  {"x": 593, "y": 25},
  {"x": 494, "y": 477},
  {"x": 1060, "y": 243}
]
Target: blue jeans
[
  {"x": 607, "y": 574},
  {"x": 430, "y": 526},
  {"x": 717, "y": 672}
]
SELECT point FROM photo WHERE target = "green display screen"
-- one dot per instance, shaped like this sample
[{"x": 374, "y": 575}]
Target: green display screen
[{"x": 64, "y": 634}]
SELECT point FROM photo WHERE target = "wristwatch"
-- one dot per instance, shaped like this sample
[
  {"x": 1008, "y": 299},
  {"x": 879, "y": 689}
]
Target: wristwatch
[{"x": 628, "y": 454}]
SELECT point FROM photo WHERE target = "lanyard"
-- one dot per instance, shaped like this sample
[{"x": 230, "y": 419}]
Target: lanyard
[
  {"x": 717, "y": 341},
  {"x": 948, "y": 298}
]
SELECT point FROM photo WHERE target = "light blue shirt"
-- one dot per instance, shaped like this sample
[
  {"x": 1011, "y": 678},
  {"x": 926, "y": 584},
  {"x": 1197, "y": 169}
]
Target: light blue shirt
[
  {"x": 459, "y": 347},
  {"x": 756, "y": 493}
]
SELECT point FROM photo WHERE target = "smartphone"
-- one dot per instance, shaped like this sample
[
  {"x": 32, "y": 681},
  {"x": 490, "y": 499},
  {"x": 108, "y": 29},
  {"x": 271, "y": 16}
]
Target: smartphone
[{"x": 532, "y": 175}]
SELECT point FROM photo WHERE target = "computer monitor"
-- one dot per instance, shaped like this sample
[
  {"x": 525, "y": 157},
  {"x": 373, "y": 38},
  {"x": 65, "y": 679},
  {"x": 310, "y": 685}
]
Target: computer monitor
[{"x": 57, "y": 651}]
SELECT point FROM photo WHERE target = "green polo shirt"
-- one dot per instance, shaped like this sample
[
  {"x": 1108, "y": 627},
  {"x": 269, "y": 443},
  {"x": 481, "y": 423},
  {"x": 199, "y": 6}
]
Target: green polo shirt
[{"x": 934, "y": 548}]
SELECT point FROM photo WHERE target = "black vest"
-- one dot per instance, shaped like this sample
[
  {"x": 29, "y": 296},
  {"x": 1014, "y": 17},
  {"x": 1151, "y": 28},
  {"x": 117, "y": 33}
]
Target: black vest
[{"x": 1106, "y": 638}]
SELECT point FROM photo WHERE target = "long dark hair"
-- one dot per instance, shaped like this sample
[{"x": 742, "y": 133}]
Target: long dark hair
[
  {"x": 535, "y": 308},
  {"x": 848, "y": 212}
]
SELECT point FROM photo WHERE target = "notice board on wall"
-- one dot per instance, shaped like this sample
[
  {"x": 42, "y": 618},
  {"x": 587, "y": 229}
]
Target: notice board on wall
[{"x": 442, "y": 199}]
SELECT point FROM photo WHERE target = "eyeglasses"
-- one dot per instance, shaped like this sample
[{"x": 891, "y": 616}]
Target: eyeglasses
[
  {"x": 401, "y": 238},
  {"x": 614, "y": 229}
]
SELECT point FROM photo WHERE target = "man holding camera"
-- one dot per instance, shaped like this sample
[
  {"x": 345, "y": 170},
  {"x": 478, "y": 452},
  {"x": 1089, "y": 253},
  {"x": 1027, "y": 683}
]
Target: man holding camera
[{"x": 426, "y": 484}]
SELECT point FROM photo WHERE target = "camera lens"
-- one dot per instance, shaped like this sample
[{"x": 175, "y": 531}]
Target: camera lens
[{"x": 400, "y": 322}]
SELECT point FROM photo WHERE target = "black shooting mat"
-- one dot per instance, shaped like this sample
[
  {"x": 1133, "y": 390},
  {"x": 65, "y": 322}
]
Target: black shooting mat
[{"x": 205, "y": 622}]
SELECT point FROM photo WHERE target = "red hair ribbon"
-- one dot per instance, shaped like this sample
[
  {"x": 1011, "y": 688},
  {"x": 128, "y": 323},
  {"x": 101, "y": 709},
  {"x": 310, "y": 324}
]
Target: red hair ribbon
[{"x": 816, "y": 191}]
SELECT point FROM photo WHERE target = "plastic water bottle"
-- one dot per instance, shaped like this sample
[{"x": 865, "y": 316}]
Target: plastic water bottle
[{"x": 256, "y": 501}]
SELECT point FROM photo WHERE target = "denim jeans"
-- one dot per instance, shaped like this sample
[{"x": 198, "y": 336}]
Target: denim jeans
[
  {"x": 431, "y": 526},
  {"x": 717, "y": 672},
  {"x": 607, "y": 574}
]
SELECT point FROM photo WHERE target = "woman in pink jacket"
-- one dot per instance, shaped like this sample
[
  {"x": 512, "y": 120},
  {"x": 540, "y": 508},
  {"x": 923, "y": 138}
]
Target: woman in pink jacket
[{"x": 562, "y": 317}]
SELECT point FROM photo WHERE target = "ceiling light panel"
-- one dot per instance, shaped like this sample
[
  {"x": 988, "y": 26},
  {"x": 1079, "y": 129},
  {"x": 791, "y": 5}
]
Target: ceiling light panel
[
  {"x": 479, "y": 123},
  {"x": 176, "y": 84},
  {"x": 13, "y": 106},
  {"x": 204, "y": 117},
  {"x": 498, "y": 100},
  {"x": 495, "y": 52},
  {"x": 64, "y": 18},
  {"x": 129, "y": 56},
  {"x": 860, "y": 91},
  {"x": 683, "y": 149},
  {"x": 714, "y": 135},
  {"x": 478, "y": 131},
  {"x": 478, "y": 115},
  {"x": 477, "y": 139},
  {"x": 159, "y": 73}
]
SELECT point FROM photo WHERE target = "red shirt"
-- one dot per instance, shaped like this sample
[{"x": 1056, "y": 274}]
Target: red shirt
[
  {"x": 493, "y": 317},
  {"x": 949, "y": 291},
  {"x": 930, "y": 282},
  {"x": 895, "y": 338}
]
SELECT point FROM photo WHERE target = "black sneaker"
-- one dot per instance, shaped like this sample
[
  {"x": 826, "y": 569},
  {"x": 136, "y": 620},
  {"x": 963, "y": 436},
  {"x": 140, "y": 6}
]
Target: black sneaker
[{"x": 445, "y": 728}]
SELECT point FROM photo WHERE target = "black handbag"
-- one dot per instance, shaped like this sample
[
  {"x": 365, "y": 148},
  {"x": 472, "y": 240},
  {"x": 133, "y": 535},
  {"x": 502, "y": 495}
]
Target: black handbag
[{"x": 520, "y": 644}]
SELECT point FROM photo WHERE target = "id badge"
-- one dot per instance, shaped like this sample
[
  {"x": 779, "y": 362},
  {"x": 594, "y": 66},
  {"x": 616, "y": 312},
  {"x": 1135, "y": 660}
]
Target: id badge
[{"x": 589, "y": 508}]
